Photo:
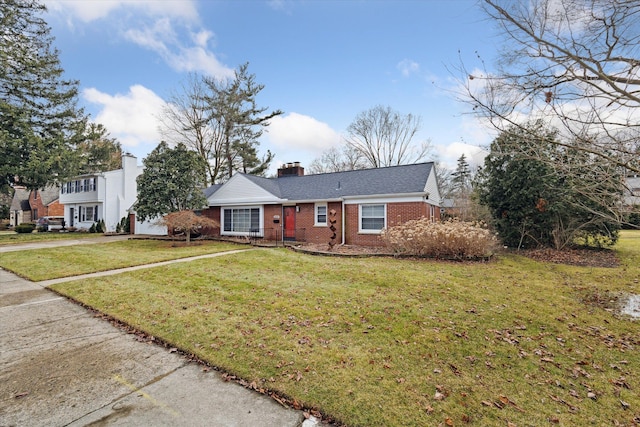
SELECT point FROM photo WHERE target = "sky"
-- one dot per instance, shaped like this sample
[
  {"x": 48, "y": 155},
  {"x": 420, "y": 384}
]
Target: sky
[{"x": 322, "y": 62}]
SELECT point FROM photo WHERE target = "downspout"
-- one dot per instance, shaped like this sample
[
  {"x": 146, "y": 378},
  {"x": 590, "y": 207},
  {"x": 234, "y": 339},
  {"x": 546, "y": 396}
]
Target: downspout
[{"x": 343, "y": 222}]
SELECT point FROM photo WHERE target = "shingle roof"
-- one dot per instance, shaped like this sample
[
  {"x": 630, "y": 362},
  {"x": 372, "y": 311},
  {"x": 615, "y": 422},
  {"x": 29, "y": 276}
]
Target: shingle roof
[
  {"x": 49, "y": 194},
  {"x": 20, "y": 201},
  {"x": 211, "y": 189},
  {"x": 403, "y": 179}
]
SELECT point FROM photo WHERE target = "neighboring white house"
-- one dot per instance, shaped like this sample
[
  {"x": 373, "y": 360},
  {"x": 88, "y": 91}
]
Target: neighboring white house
[
  {"x": 106, "y": 196},
  {"x": 632, "y": 193}
]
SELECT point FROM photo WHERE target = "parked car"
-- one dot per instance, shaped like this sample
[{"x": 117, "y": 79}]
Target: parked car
[{"x": 48, "y": 223}]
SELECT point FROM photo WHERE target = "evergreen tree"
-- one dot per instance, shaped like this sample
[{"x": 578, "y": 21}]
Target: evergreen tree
[
  {"x": 461, "y": 177},
  {"x": 232, "y": 105},
  {"x": 39, "y": 120},
  {"x": 98, "y": 151},
  {"x": 540, "y": 199},
  {"x": 171, "y": 182}
]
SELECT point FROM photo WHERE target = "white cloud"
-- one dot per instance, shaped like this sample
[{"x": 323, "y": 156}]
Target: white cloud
[
  {"x": 88, "y": 11},
  {"x": 449, "y": 154},
  {"x": 301, "y": 132},
  {"x": 162, "y": 38},
  {"x": 132, "y": 118},
  {"x": 164, "y": 27},
  {"x": 298, "y": 138},
  {"x": 285, "y": 6},
  {"x": 408, "y": 67}
]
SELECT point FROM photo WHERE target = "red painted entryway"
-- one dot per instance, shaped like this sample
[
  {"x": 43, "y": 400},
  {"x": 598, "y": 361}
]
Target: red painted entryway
[{"x": 289, "y": 213}]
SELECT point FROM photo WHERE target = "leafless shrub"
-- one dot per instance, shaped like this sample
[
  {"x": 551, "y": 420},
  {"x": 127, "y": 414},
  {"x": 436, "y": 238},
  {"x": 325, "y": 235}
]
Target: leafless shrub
[{"x": 452, "y": 239}]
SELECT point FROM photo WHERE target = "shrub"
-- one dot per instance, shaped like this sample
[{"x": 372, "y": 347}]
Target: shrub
[
  {"x": 25, "y": 228},
  {"x": 452, "y": 239},
  {"x": 632, "y": 221},
  {"x": 92, "y": 229},
  {"x": 124, "y": 225}
]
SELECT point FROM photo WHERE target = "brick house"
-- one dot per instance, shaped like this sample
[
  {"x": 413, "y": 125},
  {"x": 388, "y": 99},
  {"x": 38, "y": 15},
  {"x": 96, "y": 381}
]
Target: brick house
[
  {"x": 29, "y": 206},
  {"x": 298, "y": 207}
]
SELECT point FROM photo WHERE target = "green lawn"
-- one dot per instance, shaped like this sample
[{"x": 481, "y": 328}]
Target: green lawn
[
  {"x": 13, "y": 238},
  {"x": 385, "y": 342},
  {"x": 52, "y": 263}
]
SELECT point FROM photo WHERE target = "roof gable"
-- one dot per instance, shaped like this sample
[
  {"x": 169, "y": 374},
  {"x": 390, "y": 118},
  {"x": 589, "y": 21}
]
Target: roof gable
[
  {"x": 20, "y": 201},
  {"x": 49, "y": 194},
  {"x": 243, "y": 189}
]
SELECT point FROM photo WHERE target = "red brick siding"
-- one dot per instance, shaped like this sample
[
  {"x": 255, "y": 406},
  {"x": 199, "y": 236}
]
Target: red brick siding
[
  {"x": 37, "y": 208},
  {"x": 35, "y": 202},
  {"x": 305, "y": 219},
  {"x": 132, "y": 223},
  {"x": 272, "y": 231},
  {"x": 55, "y": 209},
  {"x": 397, "y": 213},
  {"x": 214, "y": 214}
]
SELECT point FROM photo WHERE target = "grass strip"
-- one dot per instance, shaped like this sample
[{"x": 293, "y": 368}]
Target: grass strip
[
  {"x": 53, "y": 263},
  {"x": 13, "y": 238}
]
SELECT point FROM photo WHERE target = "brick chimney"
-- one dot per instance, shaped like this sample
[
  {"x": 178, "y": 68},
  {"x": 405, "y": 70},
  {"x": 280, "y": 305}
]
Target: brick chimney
[{"x": 290, "y": 169}]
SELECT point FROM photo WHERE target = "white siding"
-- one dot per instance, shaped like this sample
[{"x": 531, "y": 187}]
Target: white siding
[
  {"x": 116, "y": 192},
  {"x": 241, "y": 191},
  {"x": 150, "y": 227},
  {"x": 431, "y": 188}
]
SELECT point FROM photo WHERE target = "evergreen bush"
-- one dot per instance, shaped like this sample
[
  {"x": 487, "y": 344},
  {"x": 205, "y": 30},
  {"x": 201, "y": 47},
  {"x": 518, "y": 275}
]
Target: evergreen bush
[{"x": 25, "y": 228}]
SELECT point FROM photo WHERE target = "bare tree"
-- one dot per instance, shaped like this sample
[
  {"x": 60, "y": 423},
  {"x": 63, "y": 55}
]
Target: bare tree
[
  {"x": 574, "y": 64},
  {"x": 186, "y": 119},
  {"x": 384, "y": 137},
  {"x": 337, "y": 159}
]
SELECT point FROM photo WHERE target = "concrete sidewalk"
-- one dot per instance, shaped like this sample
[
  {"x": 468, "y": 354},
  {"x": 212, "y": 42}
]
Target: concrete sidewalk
[{"x": 61, "y": 366}]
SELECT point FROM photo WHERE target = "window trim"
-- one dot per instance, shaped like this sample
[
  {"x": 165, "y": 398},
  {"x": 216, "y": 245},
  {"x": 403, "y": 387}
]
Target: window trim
[
  {"x": 370, "y": 231},
  {"x": 317, "y": 223},
  {"x": 82, "y": 214},
  {"x": 260, "y": 233}
]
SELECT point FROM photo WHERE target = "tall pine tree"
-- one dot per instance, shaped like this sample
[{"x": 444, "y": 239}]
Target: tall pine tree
[
  {"x": 233, "y": 106},
  {"x": 39, "y": 118}
]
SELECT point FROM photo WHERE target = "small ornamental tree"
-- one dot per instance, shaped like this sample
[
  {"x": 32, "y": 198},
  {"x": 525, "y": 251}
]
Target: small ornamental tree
[
  {"x": 171, "y": 182},
  {"x": 187, "y": 221}
]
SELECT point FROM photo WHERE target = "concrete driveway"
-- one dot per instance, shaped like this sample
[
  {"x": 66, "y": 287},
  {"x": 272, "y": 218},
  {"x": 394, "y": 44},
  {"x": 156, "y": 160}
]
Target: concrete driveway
[{"x": 61, "y": 366}]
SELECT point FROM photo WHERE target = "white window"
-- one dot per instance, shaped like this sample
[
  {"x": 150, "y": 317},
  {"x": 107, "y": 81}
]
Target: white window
[
  {"x": 90, "y": 184},
  {"x": 88, "y": 213},
  {"x": 320, "y": 214},
  {"x": 372, "y": 218},
  {"x": 242, "y": 221}
]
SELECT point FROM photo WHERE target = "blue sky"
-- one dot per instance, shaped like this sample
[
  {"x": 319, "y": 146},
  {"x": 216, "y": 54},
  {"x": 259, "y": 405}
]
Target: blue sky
[{"x": 322, "y": 63}]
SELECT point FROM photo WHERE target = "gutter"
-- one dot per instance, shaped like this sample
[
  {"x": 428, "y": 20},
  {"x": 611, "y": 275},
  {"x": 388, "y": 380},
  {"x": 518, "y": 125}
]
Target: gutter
[{"x": 381, "y": 196}]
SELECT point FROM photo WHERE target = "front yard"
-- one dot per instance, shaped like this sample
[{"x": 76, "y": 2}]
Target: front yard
[
  {"x": 388, "y": 342},
  {"x": 52, "y": 263}
]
